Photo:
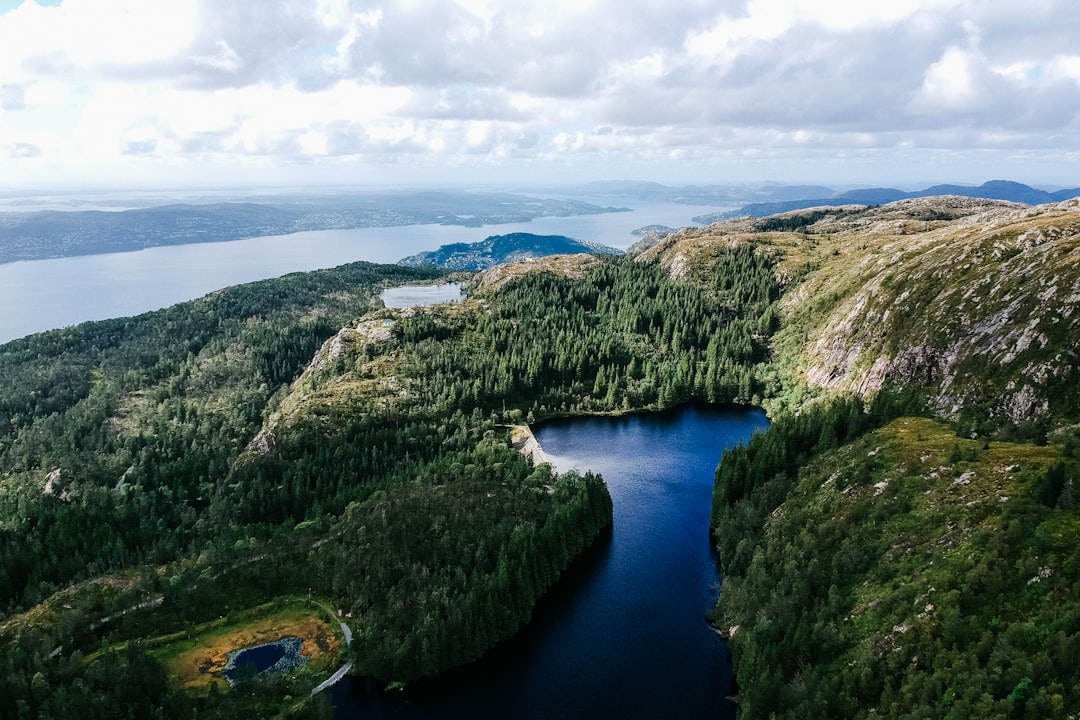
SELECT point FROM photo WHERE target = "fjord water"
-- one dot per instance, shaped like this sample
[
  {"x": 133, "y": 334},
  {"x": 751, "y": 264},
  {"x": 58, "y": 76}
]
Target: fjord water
[
  {"x": 623, "y": 633},
  {"x": 39, "y": 295}
]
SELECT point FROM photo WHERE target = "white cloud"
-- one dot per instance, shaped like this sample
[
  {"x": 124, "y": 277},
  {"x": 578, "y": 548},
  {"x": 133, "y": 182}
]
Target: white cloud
[
  {"x": 224, "y": 58},
  {"x": 950, "y": 84},
  {"x": 589, "y": 83},
  {"x": 95, "y": 35},
  {"x": 1063, "y": 66}
]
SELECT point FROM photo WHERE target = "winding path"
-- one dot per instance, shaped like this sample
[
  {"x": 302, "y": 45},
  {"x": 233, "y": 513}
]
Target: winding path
[
  {"x": 344, "y": 669},
  {"x": 333, "y": 679}
]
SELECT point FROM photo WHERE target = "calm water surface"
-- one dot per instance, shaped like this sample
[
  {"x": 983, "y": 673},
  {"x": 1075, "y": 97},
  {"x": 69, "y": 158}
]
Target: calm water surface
[
  {"x": 623, "y": 634},
  {"x": 42, "y": 295},
  {"x": 413, "y": 295}
]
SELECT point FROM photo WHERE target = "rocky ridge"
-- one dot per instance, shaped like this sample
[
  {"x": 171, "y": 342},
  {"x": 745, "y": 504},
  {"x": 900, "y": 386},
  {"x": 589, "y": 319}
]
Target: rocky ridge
[
  {"x": 492, "y": 279},
  {"x": 974, "y": 299}
]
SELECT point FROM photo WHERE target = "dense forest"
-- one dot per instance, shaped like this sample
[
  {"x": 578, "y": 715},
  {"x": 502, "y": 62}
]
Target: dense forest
[
  {"x": 624, "y": 336},
  {"x": 869, "y": 575},
  {"x": 133, "y": 471},
  {"x": 116, "y": 434},
  {"x": 907, "y": 549},
  {"x": 117, "y": 430}
]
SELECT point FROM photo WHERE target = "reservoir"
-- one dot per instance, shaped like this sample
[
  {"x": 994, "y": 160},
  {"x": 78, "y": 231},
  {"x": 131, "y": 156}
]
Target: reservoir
[{"x": 623, "y": 634}]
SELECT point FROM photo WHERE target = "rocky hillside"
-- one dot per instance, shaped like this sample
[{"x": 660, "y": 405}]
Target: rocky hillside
[
  {"x": 973, "y": 299},
  {"x": 879, "y": 564},
  {"x": 980, "y": 309}
]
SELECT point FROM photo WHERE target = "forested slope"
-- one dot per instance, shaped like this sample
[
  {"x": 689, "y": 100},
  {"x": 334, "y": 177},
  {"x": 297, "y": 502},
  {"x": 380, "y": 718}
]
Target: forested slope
[
  {"x": 906, "y": 573},
  {"x": 901, "y": 542},
  {"x": 167, "y": 470},
  {"x": 117, "y": 431},
  {"x": 878, "y": 563},
  {"x": 388, "y": 414},
  {"x": 116, "y": 435}
]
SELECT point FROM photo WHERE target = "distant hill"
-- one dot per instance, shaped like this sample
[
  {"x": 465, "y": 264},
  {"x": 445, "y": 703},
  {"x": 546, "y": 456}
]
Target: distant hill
[
  {"x": 992, "y": 190},
  {"x": 498, "y": 249},
  {"x": 50, "y": 234},
  {"x": 716, "y": 195}
]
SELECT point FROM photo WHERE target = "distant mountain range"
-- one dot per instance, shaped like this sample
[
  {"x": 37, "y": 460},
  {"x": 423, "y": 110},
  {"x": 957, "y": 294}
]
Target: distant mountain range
[
  {"x": 498, "y": 249},
  {"x": 697, "y": 194},
  {"x": 51, "y": 234},
  {"x": 992, "y": 190}
]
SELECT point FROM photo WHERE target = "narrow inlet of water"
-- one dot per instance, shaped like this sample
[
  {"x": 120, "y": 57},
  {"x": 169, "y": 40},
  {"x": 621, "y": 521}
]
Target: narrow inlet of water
[{"x": 623, "y": 634}]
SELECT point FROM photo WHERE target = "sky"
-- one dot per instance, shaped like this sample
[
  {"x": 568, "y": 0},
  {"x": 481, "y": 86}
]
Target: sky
[{"x": 294, "y": 92}]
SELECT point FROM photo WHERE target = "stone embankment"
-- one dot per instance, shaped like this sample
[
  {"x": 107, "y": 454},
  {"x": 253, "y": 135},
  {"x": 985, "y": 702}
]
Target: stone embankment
[{"x": 523, "y": 440}]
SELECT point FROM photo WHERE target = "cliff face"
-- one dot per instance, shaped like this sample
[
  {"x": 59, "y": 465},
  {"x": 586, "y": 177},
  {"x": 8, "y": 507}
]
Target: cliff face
[
  {"x": 975, "y": 300},
  {"x": 980, "y": 309}
]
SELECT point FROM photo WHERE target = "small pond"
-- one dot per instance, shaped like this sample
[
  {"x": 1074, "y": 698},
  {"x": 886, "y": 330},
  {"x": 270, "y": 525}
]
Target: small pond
[
  {"x": 279, "y": 656},
  {"x": 413, "y": 295}
]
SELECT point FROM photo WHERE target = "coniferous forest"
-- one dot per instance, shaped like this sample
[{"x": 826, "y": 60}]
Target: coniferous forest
[
  {"x": 384, "y": 479},
  {"x": 906, "y": 549},
  {"x": 850, "y": 589}
]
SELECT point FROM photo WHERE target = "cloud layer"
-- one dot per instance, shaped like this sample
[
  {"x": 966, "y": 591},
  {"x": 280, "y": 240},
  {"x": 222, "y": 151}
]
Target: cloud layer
[{"x": 729, "y": 89}]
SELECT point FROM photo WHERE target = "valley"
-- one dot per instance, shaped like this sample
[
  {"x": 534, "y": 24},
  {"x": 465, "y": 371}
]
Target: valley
[{"x": 901, "y": 540}]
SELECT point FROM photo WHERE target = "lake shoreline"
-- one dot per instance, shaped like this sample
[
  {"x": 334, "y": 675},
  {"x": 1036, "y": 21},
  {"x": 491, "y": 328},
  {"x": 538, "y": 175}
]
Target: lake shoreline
[{"x": 623, "y": 632}]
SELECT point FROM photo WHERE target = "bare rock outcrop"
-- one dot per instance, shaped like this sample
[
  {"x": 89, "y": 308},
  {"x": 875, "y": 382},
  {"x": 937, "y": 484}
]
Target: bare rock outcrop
[{"x": 981, "y": 308}]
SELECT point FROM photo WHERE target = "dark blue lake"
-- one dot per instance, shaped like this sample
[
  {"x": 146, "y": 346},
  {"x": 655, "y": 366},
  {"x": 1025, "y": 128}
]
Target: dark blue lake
[
  {"x": 259, "y": 659},
  {"x": 623, "y": 634},
  {"x": 278, "y": 656}
]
